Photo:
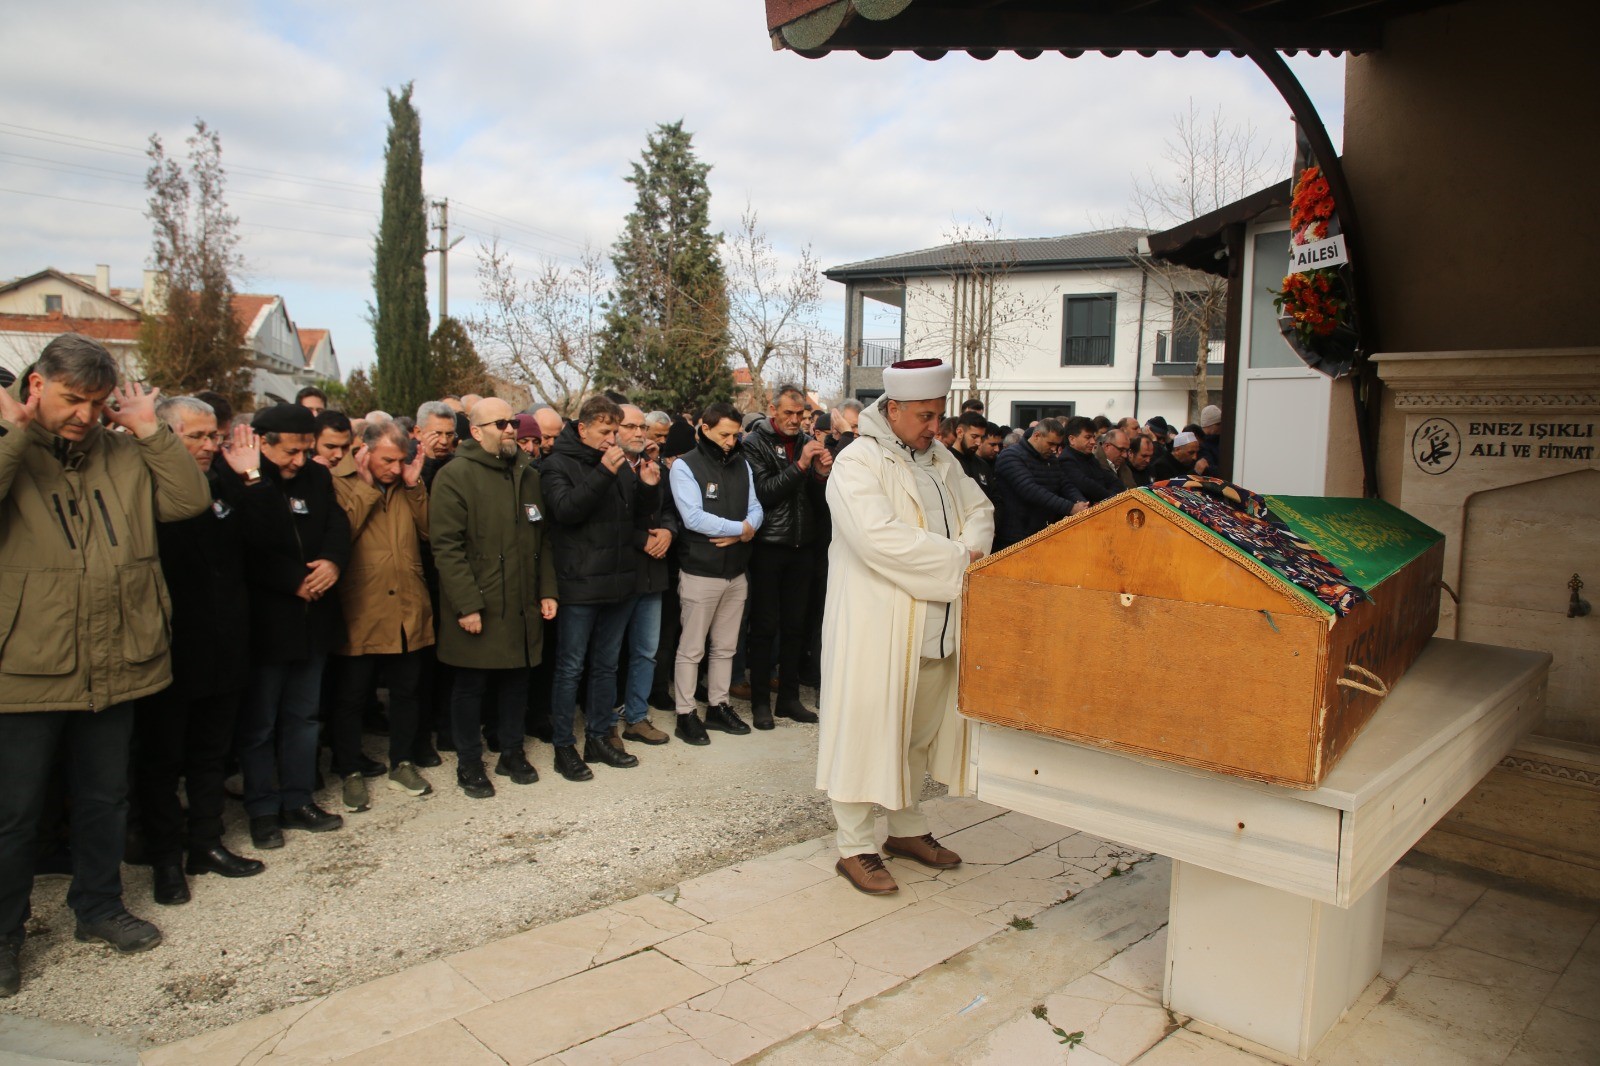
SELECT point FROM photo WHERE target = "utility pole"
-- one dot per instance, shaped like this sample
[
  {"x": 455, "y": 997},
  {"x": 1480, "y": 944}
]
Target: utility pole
[{"x": 443, "y": 248}]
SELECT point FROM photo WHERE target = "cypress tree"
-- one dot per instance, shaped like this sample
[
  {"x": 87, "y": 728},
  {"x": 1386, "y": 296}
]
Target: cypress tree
[
  {"x": 665, "y": 339},
  {"x": 399, "y": 277}
]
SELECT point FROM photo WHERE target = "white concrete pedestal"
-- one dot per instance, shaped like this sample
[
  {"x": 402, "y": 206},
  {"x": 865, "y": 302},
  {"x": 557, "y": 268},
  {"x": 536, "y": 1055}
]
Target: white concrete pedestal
[
  {"x": 1267, "y": 965},
  {"x": 1278, "y": 894}
]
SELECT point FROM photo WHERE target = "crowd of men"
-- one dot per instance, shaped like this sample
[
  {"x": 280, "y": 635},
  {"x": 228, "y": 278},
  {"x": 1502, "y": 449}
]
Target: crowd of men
[{"x": 231, "y": 592}]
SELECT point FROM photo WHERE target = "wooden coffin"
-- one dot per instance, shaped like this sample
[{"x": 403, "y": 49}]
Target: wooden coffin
[{"x": 1133, "y": 627}]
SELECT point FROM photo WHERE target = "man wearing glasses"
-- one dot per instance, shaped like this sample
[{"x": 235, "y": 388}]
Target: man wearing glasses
[
  {"x": 1112, "y": 455},
  {"x": 497, "y": 588}
]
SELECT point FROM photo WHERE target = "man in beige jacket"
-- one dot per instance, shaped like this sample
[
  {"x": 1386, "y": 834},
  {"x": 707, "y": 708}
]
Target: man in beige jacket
[{"x": 84, "y": 628}]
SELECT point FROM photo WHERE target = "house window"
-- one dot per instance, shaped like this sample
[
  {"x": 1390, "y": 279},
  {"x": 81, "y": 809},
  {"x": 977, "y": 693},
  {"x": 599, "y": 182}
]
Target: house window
[
  {"x": 52, "y": 305},
  {"x": 1087, "y": 330},
  {"x": 1023, "y": 414}
]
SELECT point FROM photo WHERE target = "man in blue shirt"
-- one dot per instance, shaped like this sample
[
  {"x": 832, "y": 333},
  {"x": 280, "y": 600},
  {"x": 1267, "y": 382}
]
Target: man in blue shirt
[{"x": 714, "y": 491}]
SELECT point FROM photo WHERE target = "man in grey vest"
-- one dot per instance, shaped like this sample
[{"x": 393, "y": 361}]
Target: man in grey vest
[{"x": 714, "y": 491}]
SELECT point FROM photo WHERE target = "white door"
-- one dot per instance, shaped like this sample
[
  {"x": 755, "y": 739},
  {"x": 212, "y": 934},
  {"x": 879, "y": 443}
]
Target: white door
[{"x": 1281, "y": 434}]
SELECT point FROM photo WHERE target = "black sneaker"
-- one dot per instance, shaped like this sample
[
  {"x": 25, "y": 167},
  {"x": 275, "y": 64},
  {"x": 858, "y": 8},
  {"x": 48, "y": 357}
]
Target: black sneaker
[
  {"x": 691, "y": 730},
  {"x": 473, "y": 781},
  {"x": 122, "y": 931},
  {"x": 10, "y": 966},
  {"x": 425, "y": 756},
  {"x": 515, "y": 765},
  {"x": 372, "y": 767},
  {"x": 570, "y": 766},
  {"x": 608, "y": 751},
  {"x": 266, "y": 831},
  {"x": 791, "y": 708},
  {"x": 311, "y": 818},
  {"x": 722, "y": 716}
]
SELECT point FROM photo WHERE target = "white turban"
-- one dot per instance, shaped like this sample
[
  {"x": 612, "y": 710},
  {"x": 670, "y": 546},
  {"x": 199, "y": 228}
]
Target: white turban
[{"x": 918, "y": 379}]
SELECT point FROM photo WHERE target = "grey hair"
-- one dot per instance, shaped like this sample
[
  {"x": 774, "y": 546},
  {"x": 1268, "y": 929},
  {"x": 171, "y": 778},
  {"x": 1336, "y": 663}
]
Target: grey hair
[
  {"x": 658, "y": 418},
  {"x": 1014, "y": 437},
  {"x": 788, "y": 388},
  {"x": 78, "y": 361},
  {"x": 379, "y": 416},
  {"x": 1050, "y": 427},
  {"x": 373, "y": 432},
  {"x": 849, "y": 405},
  {"x": 434, "y": 409},
  {"x": 176, "y": 410}
]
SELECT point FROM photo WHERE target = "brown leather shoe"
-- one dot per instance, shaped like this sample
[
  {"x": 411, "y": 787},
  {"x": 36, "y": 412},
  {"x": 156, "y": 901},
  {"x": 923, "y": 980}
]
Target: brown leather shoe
[
  {"x": 866, "y": 873},
  {"x": 645, "y": 732},
  {"x": 923, "y": 849},
  {"x": 739, "y": 690}
]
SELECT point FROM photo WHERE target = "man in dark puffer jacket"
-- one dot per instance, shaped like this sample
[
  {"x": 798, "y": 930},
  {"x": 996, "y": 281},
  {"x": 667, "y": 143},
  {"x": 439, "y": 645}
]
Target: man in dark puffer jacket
[{"x": 599, "y": 516}]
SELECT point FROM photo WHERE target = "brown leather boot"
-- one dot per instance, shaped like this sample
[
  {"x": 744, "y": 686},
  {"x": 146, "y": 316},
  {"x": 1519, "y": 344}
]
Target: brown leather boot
[
  {"x": 867, "y": 874},
  {"x": 923, "y": 849},
  {"x": 643, "y": 731}
]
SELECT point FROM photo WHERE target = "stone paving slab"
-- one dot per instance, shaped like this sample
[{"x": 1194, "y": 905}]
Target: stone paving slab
[{"x": 1042, "y": 935}]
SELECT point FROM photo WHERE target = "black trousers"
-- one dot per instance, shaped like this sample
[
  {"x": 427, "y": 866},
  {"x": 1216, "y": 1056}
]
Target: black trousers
[
  {"x": 97, "y": 745},
  {"x": 179, "y": 734},
  {"x": 357, "y": 674},
  {"x": 466, "y": 710},
  {"x": 780, "y": 592}
]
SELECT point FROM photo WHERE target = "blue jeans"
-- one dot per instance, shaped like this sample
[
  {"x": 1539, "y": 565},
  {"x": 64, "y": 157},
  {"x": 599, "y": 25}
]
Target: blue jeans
[
  {"x": 593, "y": 631},
  {"x": 97, "y": 745},
  {"x": 278, "y": 735},
  {"x": 644, "y": 637}
]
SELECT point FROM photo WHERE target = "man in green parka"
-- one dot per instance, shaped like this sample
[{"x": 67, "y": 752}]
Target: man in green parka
[
  {"x": 84, "y": 620},
  {"x": 497, "y": 587}
]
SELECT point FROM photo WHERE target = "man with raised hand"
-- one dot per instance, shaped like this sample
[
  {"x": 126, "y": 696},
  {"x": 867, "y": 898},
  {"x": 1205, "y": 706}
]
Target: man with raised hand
[
  {"x": 83, "y": 620},
  {"x": 906, "y": 525}
]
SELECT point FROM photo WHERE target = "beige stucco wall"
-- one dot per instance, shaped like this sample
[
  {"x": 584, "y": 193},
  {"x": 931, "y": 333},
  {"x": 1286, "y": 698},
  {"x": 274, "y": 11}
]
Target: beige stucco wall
[{"x": 1471, "y": 151}]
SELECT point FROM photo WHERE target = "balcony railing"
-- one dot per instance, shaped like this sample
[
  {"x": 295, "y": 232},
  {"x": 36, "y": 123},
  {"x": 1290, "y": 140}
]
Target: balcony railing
[
  {"x": 1185, "y": 348},
  {"x": 879, "y": 353}
]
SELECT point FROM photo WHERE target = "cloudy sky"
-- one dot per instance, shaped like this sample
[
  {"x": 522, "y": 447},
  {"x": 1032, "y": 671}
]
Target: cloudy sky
[{"x": 531, "y": 113}]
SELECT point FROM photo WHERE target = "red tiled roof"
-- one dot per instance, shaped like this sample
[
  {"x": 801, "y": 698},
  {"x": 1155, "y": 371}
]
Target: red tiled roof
[
  {"x": 246, "y": 306},
  {"x": 309, "y": 339},
  {"x": 101, "y": 329}
]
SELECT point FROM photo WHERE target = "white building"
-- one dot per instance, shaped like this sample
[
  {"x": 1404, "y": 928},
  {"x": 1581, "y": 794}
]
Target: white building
[
  {"x": 40, "y": 307},
  {"x": 1091, "y": 333}
]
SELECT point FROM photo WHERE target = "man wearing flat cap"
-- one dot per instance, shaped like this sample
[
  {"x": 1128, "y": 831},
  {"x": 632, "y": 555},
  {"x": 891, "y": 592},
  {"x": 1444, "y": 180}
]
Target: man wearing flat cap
[{"x": 907, "y": 522}]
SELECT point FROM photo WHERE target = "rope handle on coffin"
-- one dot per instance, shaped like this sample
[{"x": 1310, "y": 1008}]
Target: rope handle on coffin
[{"x": 1382, "y": 689}]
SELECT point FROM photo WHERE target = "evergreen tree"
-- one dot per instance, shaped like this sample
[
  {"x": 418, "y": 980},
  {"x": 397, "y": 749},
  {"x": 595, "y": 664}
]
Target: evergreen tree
[
  {"x": 193, "y": 341},
  {"x": 360, "y": 394},
  {"x": 399, "y": 278},
  {"x": 665, "y": 340},
  {"x": 457, "y": 369}
]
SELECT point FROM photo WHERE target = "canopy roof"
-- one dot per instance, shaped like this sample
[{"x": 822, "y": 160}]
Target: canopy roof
[{"x": 983, "y": 28}]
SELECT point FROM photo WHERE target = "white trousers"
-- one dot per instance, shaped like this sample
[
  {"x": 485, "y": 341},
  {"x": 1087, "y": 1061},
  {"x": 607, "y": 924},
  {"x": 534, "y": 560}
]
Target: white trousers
[
  {"x": 857, "y": 826},
  {"x": 712, "y": 607}
]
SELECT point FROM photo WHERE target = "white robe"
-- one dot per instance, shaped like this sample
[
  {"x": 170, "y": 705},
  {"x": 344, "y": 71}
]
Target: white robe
[{"x": 882, "y": 562}]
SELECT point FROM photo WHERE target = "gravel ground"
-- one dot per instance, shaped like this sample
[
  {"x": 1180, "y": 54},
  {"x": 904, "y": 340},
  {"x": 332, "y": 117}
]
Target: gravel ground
[{"x": 414, "y": 879}]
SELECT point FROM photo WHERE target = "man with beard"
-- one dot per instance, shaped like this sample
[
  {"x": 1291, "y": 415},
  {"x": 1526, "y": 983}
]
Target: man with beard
[
  {"x": 714, "y": 492},
  {"x": 599, "y": 510},
  {"x": 487, "y": 526},
  {"x": 907, "y": 524},
  {"x": 643, "y": 636},
  {"x": 1183, "y": 460}
]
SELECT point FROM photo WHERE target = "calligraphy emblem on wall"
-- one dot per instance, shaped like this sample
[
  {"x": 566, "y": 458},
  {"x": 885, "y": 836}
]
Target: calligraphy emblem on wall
[{"x": 1436, "y": 445}]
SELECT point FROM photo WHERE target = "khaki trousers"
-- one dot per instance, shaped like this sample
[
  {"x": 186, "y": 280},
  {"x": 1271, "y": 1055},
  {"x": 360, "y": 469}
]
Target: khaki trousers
[
  {"x": 857, "y": 832},
  {"x": 714, "y": 607}
]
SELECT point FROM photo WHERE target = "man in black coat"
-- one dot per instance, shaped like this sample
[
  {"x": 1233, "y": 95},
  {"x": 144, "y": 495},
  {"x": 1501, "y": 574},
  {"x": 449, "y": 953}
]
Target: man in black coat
[
  {"x": 599, "y": 512},
  {"x": 1032, "y": 491},
  {"x": 643, "y": 638},
  {"x": 187, "y": 730},
  {"x": 791, "y": 472},
  {"x": 1080, "y": 467},
  {"x": 298, "y": 541}
]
